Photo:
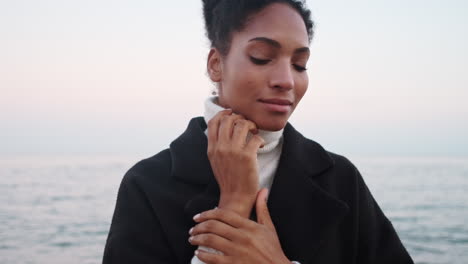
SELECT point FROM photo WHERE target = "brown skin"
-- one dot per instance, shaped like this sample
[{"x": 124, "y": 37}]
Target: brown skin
[
  {"x": 242, "y": 82},
  {"x": 227, "y": 148},
  {"x": 240, "y": 239},
  {"x": 266, "y": 61}
]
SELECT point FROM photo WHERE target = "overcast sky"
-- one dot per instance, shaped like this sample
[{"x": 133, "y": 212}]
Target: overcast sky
[{"x": 94, "y": 76}]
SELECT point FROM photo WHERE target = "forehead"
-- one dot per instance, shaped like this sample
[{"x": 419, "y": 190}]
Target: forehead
[{"x": 277, "y": 21}]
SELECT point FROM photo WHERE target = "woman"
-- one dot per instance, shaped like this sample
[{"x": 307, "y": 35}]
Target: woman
[{"x": 207, "y": 194}]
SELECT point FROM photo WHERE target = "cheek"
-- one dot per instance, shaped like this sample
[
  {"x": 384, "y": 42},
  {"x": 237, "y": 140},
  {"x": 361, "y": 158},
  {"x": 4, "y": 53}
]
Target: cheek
[
  {"x": 245, "y": 81},
  {"x": 301, "y": 86}
]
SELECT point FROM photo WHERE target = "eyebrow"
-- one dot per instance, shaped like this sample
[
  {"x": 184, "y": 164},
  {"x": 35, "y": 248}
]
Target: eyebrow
[{"x": 276, "y": 44}]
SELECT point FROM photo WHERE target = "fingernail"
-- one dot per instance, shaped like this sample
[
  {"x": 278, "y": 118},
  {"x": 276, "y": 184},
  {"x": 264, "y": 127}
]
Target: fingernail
[
  {"x": 196, "y": 252},
  {"x": 190, "y": 231},
  {"x": 196, "y": 217},
  {"x": 190, "y": 239}
]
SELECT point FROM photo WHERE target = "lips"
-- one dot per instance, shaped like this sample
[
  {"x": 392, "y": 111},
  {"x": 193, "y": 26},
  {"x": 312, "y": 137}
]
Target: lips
[
  {"x": 276, "y": 101},
  {"x": 277, "y": 105}
]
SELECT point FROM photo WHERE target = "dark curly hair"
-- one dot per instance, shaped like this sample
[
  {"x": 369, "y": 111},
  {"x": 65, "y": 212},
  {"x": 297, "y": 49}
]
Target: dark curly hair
[{"x": 222, "y": 17}]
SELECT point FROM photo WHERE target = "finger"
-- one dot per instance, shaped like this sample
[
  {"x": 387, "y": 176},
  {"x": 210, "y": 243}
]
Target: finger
[
  {"x": 211, "y": 258},
  {"x": 226, "y": 126},
  {"x": 212, "y": 241},
  {"x": 255, "y": 143},
  {"x": 225, "y": 216},
  {"x": 215, "y": 227},
  {"x": 263, "y": 215},
  {"x": 241, "y": 130},
  {"x": 213, "y": 127}
]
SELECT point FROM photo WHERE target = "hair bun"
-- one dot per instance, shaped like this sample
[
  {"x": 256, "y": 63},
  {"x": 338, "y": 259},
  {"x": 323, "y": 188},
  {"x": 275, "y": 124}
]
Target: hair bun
[
  {"x": 208, "y": 7},
  {"x": 223, "y": 17},
  {"x": 210, "y": 4}
]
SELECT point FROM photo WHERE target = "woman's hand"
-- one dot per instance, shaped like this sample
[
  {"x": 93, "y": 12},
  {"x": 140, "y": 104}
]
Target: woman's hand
[
  {"x": 241, "y": 240},
  {"x": 234, "y": 160}
]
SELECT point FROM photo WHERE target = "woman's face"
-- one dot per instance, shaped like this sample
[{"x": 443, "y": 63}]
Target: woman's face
[{"x": 263, "y": 76}]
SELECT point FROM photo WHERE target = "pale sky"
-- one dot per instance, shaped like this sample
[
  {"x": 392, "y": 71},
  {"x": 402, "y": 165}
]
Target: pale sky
[{"x": 386, "y": 77}]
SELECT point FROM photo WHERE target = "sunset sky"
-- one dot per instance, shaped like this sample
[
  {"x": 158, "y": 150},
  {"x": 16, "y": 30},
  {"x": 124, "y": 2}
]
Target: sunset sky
[{"x": 125, "y": 77}]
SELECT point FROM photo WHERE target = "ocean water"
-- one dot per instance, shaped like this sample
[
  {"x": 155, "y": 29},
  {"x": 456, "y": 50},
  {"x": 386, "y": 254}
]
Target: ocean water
[{"x": 58, "y": 209}]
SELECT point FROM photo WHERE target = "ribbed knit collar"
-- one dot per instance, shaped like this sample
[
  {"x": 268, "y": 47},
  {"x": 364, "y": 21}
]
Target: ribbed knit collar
[{"x": 272, "y": 138}]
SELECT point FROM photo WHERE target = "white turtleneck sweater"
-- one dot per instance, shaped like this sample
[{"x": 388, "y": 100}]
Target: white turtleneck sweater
[{"x": 267, "y": 157}]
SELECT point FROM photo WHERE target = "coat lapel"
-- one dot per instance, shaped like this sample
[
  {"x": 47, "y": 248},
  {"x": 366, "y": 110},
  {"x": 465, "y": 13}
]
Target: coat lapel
[
  {"x": 300, "y": 209},
  {"x": 190, "y": 164}
]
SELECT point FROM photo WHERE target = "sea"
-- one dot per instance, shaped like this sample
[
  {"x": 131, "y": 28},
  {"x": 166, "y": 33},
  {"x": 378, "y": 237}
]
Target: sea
[{"x": 58, "y": 209}]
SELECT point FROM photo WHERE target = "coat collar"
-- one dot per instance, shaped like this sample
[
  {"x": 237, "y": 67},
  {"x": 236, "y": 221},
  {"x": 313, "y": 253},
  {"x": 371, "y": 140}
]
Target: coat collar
[
  {"x": 188, "y": 153},
  {"x": 301, "y": 210}
]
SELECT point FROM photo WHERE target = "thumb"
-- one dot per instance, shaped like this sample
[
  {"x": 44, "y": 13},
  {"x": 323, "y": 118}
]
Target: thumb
[{"x": 263, "y": 215}]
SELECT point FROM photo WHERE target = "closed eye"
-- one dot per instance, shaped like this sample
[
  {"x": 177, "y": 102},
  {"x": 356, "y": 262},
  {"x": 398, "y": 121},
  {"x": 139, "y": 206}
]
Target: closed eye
[
  {"x": 259, "y": 61},
  {"x": 299, "y": 68}
]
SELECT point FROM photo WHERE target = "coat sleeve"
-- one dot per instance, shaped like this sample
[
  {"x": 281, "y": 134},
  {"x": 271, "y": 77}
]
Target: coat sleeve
[
  {"x": 378, "y": 240},
  {"x": 135, "y": 234}
]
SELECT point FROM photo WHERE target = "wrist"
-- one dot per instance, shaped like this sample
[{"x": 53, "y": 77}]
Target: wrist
[{"x": 241, "y": 205}]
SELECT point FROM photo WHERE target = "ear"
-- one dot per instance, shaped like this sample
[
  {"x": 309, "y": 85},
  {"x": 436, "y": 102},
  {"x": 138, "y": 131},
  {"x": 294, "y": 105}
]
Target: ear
[{"x": 214, "y": 65}]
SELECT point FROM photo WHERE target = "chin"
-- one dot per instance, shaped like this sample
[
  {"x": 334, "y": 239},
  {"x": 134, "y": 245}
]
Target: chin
[{"x": 272, "y": 125}]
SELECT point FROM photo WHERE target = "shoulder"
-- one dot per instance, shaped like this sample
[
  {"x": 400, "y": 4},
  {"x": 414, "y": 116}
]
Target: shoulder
[
  {"x": 342, "y": 174},
  {"x": 151, "y": 172},
  {"x": 342, "y": 163},
  {"x": 312, "y": 156},
  {"x": 159, "y": 162},
  {"x": 340, "y": 178}
]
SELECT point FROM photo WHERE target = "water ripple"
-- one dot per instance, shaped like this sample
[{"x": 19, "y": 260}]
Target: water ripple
[{"x": 59, "y": 210}]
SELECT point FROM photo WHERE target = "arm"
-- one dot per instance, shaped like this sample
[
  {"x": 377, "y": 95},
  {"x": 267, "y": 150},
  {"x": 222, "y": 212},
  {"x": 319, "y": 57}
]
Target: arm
[
  {"x": 233, "y": 160},
  {"x": 135, "y": 234},
  {"x": 234, "y": 163}
]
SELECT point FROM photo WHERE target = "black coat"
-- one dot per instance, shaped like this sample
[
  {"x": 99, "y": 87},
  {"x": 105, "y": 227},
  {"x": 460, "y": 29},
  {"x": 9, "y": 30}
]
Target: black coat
[{"x": 321, "y": 207}]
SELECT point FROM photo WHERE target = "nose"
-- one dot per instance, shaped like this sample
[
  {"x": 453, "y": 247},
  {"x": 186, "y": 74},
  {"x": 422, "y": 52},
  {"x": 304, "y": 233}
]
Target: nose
[{"x": 282, "y": 76}]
